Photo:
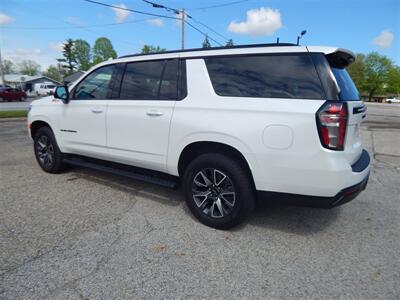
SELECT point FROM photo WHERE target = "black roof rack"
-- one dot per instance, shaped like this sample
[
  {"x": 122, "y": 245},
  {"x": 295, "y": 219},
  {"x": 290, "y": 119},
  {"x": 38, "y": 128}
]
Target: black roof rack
[{"x": 214, "y": 48}]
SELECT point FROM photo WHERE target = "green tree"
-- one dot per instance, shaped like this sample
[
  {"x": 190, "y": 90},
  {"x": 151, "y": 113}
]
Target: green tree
[
  {"x": 152, "y": 49},
  {"x": 8, "y": 67},
  {"x": 82, "y": 54},
  {"x": 56, "y": 73},
  {"x": 103, "y": 50},
  {"x": 377, "y": 68},
  {"x": 29, "y": 67},
  {"x": 357, "y": 71},
  {"x": 68, "y": 62},
  {"x": 206, "y": 43},
  {"x": 393, "y": 83},
  {"x": 229, "y": 43}
]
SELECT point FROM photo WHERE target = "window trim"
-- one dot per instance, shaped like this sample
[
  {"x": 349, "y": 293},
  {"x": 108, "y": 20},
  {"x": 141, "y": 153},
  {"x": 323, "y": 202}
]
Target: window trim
[
  {"x": 109, "y": 93},
  {"x": 323, "y": 95},
  {"x": 181, "y": 80}
]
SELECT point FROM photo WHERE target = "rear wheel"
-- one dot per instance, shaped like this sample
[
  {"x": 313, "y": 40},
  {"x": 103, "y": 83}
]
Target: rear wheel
[
  {"x": 218, "y": 190},
  {"x": 23, "y": 98},
  {"x": 47, "y": 153}
]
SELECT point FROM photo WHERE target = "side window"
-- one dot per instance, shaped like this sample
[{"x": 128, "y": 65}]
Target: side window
[
  {"x": 150, "y": 80},
  {"x": 265, "y": 76},
  {"x": 96, "y": 85}
]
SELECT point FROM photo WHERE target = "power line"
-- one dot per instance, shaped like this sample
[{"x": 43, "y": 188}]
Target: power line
[
  {"x": 209, "y": 28},
  {"x": 219, "y": 5},
  {"x": 75, "y": 26},
  {"x": 131, "y": 10},
  {"x": 203, "y": 33},
  {"x": 176, "y": 11}
]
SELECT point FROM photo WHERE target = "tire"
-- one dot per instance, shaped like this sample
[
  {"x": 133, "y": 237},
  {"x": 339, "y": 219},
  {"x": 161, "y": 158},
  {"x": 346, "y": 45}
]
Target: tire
[
  {"x": 228, "y": 196},
  {"x": 23, "y": 99},
  {"x": 47, "y": 153}
]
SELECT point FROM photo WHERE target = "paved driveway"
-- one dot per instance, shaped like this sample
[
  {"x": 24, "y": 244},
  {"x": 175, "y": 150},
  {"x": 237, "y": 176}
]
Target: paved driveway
[{"x": 88, "y": 235}]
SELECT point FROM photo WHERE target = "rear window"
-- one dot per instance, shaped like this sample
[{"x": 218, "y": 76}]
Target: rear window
[
  {"x": 265, "y": 76},
  {"x": 348, "y": 90}
]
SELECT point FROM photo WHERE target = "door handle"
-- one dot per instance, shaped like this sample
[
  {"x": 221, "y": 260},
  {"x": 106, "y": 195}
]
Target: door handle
[
  {"x": 154, "y": 113},
  {"x": 97, "y": 110}
]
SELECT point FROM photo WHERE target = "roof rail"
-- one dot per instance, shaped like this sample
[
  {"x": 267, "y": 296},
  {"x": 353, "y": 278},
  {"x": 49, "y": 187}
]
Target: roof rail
[{"x": 214, "y": 48}]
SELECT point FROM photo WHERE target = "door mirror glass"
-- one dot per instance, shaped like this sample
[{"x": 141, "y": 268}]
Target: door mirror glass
[{"x": 62, "y": 93}]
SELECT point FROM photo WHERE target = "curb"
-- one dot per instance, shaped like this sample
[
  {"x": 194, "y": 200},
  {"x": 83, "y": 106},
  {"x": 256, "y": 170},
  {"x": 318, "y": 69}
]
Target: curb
[{"x": 12, "y": 119}]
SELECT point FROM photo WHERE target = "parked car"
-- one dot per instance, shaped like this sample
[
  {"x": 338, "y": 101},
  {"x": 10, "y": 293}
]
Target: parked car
[
  {"x": 12, "y": 94},
  {"x": 44, "y": 88},
  {"x": 228, "y": 124},
  {"x": 393, "y": 100}
]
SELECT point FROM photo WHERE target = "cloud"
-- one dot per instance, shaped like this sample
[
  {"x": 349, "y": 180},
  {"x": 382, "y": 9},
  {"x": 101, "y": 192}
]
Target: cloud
[
  {"x": 4, "y": 19},
  {"x": 56, "y": 46},
  {"x": 156, "y": 22},
  {"x": 42, "y": 57},
  {"x": 120, "y": 14},
  {"x": 260, "y": 22},
  {"x": 74, "y": 21},
  {"x": 384, "y": 39}
]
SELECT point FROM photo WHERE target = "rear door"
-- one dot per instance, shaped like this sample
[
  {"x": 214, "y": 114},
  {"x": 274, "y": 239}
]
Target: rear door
[{"x": 139, "y": 115}]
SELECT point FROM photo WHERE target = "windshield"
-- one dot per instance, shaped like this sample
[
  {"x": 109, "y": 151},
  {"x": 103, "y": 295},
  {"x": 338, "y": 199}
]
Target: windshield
[{"x": 348, "y": 90}]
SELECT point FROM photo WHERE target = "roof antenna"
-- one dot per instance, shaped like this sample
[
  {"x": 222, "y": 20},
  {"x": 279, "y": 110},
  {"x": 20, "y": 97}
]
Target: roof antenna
[
  {"x": 277, "y": 40},
  {"x": 300, "y": 36}
]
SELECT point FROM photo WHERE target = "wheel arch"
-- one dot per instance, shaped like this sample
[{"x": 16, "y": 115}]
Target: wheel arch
[{"x": 194, "y": 149}]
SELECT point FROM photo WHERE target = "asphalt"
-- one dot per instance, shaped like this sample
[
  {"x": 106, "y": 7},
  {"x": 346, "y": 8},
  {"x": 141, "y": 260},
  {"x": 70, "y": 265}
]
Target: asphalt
[{"x": 88, "y": 235}]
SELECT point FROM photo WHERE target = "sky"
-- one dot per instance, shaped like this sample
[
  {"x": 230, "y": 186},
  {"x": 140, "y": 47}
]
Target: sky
[{"x": 35, "y": 29}]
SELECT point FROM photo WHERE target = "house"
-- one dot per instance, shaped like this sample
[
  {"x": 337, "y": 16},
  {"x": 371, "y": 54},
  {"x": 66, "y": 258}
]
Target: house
[{"x": 26, "y": 82}]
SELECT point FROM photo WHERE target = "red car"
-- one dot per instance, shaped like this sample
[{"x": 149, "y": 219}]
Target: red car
[{"x": 11, "y": 94}]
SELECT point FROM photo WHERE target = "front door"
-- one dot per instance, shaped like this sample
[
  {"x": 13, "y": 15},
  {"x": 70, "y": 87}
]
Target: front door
[{"x": 83, "y": 119}]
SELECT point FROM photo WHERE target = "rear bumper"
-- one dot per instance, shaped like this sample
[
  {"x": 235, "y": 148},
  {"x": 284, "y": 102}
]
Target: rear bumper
[{"x": 345, "y": 195}]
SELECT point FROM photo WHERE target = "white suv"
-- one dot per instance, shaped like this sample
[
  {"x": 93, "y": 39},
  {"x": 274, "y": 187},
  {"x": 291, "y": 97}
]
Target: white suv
[{"x": 224, "y": 122}]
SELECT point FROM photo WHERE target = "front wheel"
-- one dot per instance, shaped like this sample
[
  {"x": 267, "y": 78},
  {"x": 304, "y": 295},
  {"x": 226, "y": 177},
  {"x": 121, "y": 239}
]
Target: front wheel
[
  {"x": 218, "y": 190},
  {"x": 47, "y": 153}
]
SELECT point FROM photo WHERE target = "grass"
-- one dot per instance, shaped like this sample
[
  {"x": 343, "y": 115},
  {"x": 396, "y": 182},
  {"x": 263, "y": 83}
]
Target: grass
[{"x": 13, "y": 114}]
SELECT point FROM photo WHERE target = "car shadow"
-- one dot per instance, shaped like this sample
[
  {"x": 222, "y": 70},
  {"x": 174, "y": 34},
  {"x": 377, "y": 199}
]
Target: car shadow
[{"x": 268, "y": 214}]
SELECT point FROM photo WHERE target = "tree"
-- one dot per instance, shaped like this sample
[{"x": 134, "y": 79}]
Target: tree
[
  {"x": 29, "y": 67},
  {"x": 103, "y": 50},
  {"x": 56, "y": 73},
  {"x": 393, "y": 83},
  {"x": 82, "y": 54},
  {"x": 8, "y": 67},
  {"x": 229, "y": 43},
  {"x": 69, "y": 60},
  {"x": 151, "y": 49},
  {"x": 357, "y": 71},
  {"x": 206, "y": 43},
  {"x": 377, "y": 68}
]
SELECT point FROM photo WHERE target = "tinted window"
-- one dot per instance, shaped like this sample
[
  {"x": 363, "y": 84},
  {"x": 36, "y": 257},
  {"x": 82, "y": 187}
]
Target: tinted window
[
  {"x": 150, "y": 80},
  {"x": 266, "y": 76},
  {"x": 96, "y": 85},
  {"x": 348, "y": 90}
]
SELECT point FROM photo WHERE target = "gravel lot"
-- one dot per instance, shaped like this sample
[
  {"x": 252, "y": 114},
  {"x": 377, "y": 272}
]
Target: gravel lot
[{"x": 88, "y": 235}]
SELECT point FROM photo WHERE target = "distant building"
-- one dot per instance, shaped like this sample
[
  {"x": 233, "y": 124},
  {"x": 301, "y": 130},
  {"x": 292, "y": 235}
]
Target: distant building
[
  {"x": 73, "y": 77},
  {"x": 26, "y": 82}
]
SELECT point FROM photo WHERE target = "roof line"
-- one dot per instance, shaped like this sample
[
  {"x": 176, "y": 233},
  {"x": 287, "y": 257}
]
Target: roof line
[{"x": 213, "y": 48}]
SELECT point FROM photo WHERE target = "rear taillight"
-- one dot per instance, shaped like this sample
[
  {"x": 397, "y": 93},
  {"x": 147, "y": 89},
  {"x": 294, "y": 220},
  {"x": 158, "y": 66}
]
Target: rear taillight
[{"x": 332, "y": 123}]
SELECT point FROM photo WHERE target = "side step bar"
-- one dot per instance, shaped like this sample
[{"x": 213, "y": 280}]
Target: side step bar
[{"x": 169, "y": 183}]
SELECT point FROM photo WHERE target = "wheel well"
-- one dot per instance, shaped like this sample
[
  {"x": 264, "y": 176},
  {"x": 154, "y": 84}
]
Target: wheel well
[
  {"x": 35, "y": 127},
  {"x": 193, "y": 150}
]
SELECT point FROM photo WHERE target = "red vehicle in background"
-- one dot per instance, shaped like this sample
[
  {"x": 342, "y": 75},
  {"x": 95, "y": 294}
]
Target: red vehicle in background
[{"x": 12, "y": 94}]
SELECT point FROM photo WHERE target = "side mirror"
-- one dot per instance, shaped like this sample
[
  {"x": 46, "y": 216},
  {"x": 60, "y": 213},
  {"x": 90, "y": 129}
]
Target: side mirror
[{"x": 62, "y": 93}]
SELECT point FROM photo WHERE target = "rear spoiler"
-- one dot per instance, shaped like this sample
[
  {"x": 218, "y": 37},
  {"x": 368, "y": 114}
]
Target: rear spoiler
[{"x": 337, "y": 57}]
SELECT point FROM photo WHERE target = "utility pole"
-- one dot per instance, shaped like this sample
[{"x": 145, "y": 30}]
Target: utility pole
[
  {"x": 183, "y": 28},
  {"x": 2, "y": 71}
]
